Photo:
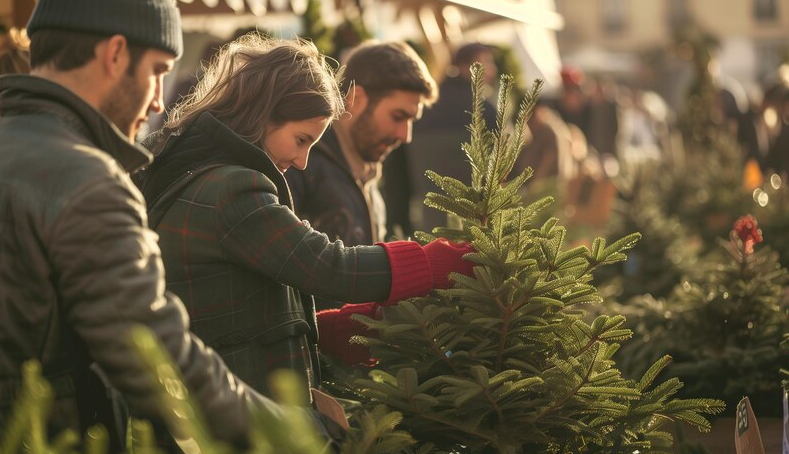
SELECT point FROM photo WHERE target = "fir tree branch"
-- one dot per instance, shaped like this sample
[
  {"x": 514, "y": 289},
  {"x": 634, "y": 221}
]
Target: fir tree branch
[
  {"x": 437, "y": 348},
  {"x": 584, "y": 349},
  {"x": 557, "y": 405},
  {"x": 477, "y": 127},
  {"x": 493, "y": 403},
  {"x": 503, "y": 340},
  {"x": 437, "y": 419}
]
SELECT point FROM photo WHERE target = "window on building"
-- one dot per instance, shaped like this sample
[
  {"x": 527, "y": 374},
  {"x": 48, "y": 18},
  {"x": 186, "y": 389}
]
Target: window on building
[
  {"x": 678, "y": 14},
  {"x": 614, "y": 15},
  {"x": 765, "y": 10},
  {"x": 769, "y": 56}
]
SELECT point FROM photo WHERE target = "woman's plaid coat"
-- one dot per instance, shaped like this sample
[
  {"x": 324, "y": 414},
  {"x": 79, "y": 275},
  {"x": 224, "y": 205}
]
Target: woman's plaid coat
[{"x": 241, "y": 261}]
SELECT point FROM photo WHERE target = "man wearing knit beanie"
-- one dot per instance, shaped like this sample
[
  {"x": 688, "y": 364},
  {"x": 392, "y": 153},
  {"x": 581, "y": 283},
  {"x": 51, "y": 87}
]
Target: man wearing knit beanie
[
  {"x": 134, "y": 42},
  {"x": 78, "y": 266}
]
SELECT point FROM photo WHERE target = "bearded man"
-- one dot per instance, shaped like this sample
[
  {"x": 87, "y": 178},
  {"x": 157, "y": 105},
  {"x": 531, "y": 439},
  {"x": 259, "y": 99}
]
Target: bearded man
[
  {"x": 386, "y": 85},
  {"x": 79, "y": 267}
]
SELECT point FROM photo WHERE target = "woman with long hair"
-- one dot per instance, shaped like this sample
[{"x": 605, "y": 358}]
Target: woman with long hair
[
  {"x": 14, "y": 51},
  {"x": 244, "y": 264}
]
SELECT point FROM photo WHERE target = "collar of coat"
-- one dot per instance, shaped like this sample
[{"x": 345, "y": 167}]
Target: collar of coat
[
  {"x": 331, "y": 146},
  {"x": 23, "y": 94},
  {"x": 204, "y": 143}
]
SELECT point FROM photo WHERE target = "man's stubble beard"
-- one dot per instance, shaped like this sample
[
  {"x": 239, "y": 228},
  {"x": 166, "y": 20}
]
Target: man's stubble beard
[
  {"x": 124, "y": 104},
  {"x": 366, "y": 139}
]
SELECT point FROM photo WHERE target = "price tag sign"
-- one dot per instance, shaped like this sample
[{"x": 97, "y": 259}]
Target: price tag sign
[
  {"x": 786, "y": 423},
  {"x": 747, "y": 439}
]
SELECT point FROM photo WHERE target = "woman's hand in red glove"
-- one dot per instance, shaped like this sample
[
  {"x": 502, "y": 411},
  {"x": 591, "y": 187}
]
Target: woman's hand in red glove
[
  {"x": 446, "y": 257},
  {"x": 440, "y": 258},
  {"x": 335, "y": 329},
  {"x": 418, "y": 269}
]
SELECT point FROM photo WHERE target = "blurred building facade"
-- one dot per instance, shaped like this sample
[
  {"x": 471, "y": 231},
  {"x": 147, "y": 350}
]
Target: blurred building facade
[
  {"x": 6, "y": 13},
  {"x": 753, "y": 34}
]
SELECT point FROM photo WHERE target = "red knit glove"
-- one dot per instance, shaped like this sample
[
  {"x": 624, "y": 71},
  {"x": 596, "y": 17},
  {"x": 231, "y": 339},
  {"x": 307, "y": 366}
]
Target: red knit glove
[
  {"x": 418, "y": 269},
  {"x": 335, "y": 329},
  {"x": 446, "y": 257}
]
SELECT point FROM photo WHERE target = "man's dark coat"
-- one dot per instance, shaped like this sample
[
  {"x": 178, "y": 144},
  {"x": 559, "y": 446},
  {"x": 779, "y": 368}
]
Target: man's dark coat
[
  {"x": 79, "y": 267},
  {"x": 327, "y": 195}
]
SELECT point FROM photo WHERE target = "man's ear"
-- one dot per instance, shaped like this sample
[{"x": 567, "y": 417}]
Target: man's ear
[
  {"x": 356, "y": 100},
  {"x": 113, "y": 56}
]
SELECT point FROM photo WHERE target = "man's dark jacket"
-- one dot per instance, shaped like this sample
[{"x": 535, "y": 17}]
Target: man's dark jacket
[
  {"x": 238, "y": 257},
  {"x": 326, "y": 194},
  {"x": 79, "y": 267}
]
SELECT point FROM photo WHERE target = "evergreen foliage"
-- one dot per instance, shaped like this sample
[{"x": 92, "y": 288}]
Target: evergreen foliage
[
  {"x": 691, "y": 197},
  {"x": 683, "y": 205},
  {"x": 722, "y": 328},
  {"x": 667, "y": 252},
  {"x": 375, "y": 432},
  {"x": 333, "y": 41},
  {"x": 508, "y": 62},
  {"x": 506, "y": 361},
  {"x": 710, "y": 194},
  {"x": 701, "y": 108},
  {"x": 313, "y": 27},
  {"x": 26, "y": 429}
]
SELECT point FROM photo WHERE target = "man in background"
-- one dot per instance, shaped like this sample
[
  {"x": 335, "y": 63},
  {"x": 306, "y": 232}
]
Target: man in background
[{"x": 387, "y": 86}]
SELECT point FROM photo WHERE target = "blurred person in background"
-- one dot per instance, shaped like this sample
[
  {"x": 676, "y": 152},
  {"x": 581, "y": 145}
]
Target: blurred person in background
[
  {"x": 775, "y": 121},
  {"x": 573, "y": 104},
  {"x": 603, "y": 122},
  {"x": 752, "y": 131},
  {"x": 14, "y": 51},
  {"x": 642, "y": 125},
  {"x": 437, "y": 137}
]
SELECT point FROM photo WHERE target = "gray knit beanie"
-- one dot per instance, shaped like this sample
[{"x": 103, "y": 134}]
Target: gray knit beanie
[{"x": 149, "y": 23}]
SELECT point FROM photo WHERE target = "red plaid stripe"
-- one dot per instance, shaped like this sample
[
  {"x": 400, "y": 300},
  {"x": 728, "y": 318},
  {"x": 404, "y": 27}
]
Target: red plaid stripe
[{"x": 240, "y": 261}]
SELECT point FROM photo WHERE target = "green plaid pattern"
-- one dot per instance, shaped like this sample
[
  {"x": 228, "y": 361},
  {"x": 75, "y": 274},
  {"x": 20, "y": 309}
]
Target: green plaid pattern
[{"x": 245, "y": 267}]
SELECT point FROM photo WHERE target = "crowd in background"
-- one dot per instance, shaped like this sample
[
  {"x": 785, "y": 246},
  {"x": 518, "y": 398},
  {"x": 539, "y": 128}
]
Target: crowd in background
[{"x": 594, "y": 123}]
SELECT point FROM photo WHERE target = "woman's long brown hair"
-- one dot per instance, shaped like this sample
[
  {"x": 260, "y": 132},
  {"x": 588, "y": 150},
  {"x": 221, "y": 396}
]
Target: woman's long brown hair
[{"x": 255, "y": 82}]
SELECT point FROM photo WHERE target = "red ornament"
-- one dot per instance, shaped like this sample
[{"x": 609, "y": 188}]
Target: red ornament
[{"x": 748, "y": 231}]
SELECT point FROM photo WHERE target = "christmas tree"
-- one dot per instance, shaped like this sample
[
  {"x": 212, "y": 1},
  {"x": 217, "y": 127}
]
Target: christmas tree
[
  {"x": 665, "y": 254},
  {"x": 704, "y": 186},
  {"x": 722, "y": 328},
  {"x": 690, "y": 197},
  {"x": 507, "y": 361}
]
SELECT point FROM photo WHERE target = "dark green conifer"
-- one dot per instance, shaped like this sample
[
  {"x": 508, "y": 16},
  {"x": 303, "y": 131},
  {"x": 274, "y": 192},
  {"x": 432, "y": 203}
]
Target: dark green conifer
[
  {"x": 507, "y": 361},
  {"x": 723, "y": 327},
  {"x": 313, "y": 28}
]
